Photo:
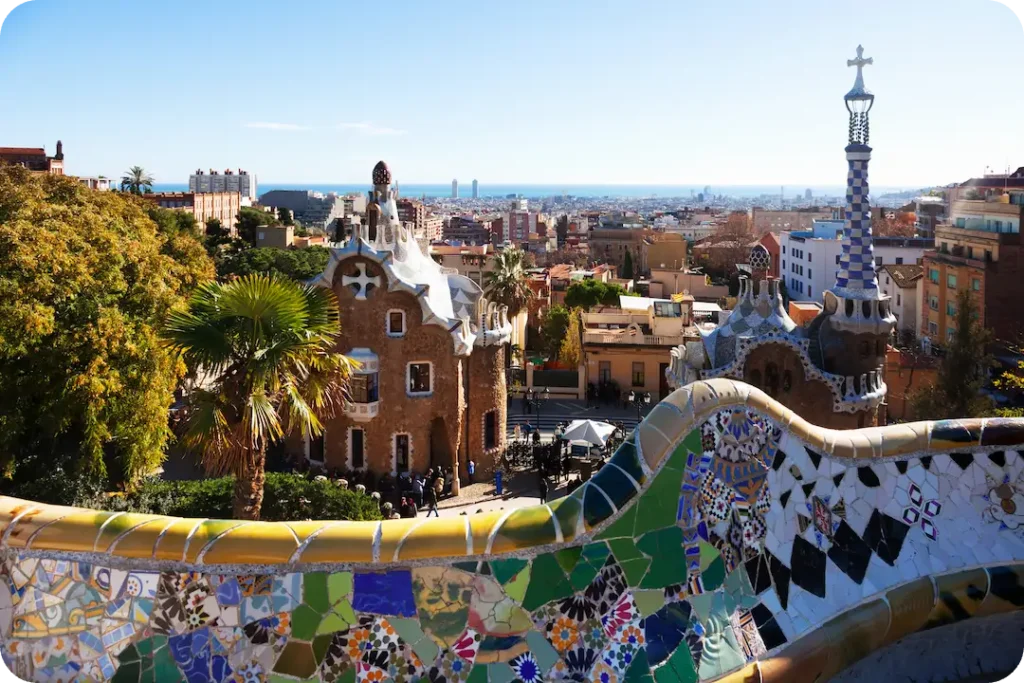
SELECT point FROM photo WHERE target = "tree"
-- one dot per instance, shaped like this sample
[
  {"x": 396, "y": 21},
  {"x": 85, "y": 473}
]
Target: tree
[
  {"x": 269, "y": 346},
  {"x": 136, "y": 181},
  {"x": 293, "y": 263},
  {"x": 217, "y": 237},
  {"x": 284, "y": 215},
  {"x": 86, "y": 280},
  {"x": 1012, "y": 382},
  {"x": 962, "y": 372},
  {"x": 902, "y": 225},
  {"x": 627, "y": 266},
  {"x": 506, "y": 283},
  {"x": 553, "y": 329},
  {"x": 588, "y": 293},
  {"x": 571, "y": 351},
  {"x": 250, "y": 220}
]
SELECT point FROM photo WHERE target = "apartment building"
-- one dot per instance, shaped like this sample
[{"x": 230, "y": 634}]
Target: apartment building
[
  {"x": 223, "y": 206},
  {"x": 242, "y": 182},
  {"x": 903, "y": 285}
]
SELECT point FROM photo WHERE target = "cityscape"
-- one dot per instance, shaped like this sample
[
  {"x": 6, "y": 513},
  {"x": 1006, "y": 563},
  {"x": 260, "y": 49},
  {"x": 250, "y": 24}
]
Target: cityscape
[{"x": 482, "y": 431}]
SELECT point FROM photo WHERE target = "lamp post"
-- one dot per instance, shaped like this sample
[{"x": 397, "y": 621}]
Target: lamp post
[{"x": 639, "y": 400}]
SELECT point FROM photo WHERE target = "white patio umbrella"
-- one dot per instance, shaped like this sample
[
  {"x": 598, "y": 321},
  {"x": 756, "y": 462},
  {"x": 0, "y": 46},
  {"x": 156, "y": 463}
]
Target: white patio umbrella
[{"x": 593, "y": 432}]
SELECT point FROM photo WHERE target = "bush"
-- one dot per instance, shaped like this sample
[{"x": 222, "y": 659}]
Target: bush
[{"x": 286, "y": 497}]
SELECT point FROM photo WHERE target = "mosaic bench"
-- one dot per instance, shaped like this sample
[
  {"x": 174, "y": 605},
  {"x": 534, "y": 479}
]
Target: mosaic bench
[{"x": 727, "y": 539}]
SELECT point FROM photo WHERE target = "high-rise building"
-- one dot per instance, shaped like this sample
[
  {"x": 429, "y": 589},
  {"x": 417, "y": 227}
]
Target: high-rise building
[
  {"x": 476, "y": 189},
  {"x": 415, "y": 212},
  {"x": 808, "y": 194},
  {"x": 455, "y": 188},
  {"x": 243, "y": 183}
]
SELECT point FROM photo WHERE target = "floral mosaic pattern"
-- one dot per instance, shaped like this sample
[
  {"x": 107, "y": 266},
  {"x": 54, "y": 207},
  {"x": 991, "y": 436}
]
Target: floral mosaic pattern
[{"x": 745, "y": 539}]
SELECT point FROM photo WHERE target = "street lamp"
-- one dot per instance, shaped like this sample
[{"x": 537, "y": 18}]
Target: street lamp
[{"x": 639, "y": 400}]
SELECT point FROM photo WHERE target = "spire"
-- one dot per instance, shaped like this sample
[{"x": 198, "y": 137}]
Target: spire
[{"x": 856, "y": 276}]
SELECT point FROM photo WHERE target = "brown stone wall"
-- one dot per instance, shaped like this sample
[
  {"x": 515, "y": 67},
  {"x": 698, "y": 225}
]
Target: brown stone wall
[
  {"x": 810, "y": 399},
  {"x": 363, "y": 325},
  {"x": 487, "y": 392}
]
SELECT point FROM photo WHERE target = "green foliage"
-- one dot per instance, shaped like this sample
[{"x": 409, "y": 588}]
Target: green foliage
[
  {"x": 627, "y": 266},
  {"x": 249, "y": 220},
  {"x": 553, "y": 329},
  {"x": 288, "y": 497},
  {"x": 86, "y": 279},
  {"x": 571, "y": 350},
  {"x": 136, "y": 181},
  {"x": 962, "y": 372},
  {"x": 506, "y": 282},
  {"x": 284, "y": 215},
  {"x": 586, "y": 294},
  {"x": 293, "y": 263},
  {"x": 268, "y": 345}
]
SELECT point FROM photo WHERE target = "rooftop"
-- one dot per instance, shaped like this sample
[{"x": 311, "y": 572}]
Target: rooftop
[{"x": 904, "y": 275}]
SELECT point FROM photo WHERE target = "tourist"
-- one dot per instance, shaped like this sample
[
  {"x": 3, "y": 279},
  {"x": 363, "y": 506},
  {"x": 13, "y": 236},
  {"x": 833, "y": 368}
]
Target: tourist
[
  {"x": 431, "y": 496},
  {"x": 543, "y": 488},
  {"x": 417, "y": 489},
  {"x": 471, "y": 466}
]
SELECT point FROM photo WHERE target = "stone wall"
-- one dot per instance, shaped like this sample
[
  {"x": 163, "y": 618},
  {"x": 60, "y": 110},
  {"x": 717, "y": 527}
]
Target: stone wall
[
  {"x": 727, "y": 539},
  {"x": 487, "y": 390}
]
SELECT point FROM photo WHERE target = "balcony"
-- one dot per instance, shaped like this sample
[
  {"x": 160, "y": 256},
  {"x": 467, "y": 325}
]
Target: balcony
[
  {"x": 632, "y": 339},
  {"x": 362, "y": 412}
]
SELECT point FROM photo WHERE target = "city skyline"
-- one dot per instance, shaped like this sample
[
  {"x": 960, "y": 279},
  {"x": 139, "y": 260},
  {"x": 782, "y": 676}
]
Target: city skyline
[{"x": 731, "y": 103}]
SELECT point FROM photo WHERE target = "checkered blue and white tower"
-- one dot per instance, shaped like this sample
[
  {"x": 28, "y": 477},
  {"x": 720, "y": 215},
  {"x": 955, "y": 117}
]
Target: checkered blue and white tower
[{"x": 856, "y": 277}]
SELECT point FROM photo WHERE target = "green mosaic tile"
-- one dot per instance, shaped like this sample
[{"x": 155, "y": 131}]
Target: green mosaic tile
[
  {"x": 624, "y": 549},
  {"x": 147, "y": 646},
  {"x": 471, "y": 567},
  {"x": 616, "y": 484},
  {"x": 331, "y": 623},
  {"x": 594, "y": 556},
  {"x": 529, "y": 526},
  {"x": 568, "y": 557},
  {"x": 714, "y": 575},
  {"x": 407, "y": 629},
  {"x": 679, "y": 667},
  {"x": 595, "y": 506},
  {"x": 296, "y": 659},
  {"x": 305, "y": 620},
  {"x": 165, "y": 667},
  {"x": 547, "y": 583},
  {"x": 314, "y": 592},
  {"x": 516, "y": 588},
  {"x": 320, "y": 646},
  {"x": 693, "y": 441},
  {"x": 129, "y": 654},
  {"x": 639, "y": 670},
  {"x": 542, "y": 650},
  {"x": 649, "y": 601},
  {"x": 339, "y": 586},
  {"x": 658, "y": 507},
  {"x": 128, "y": 672},
  {"x": 499, "y": 672},
  {"x": 666, "y": 546},
  {"x": 708, "y": 554},
  {"x": 567, "y": 512},
  {"x": 478, "y": 674},
  {"x": 622, "y": 527},
  {"x": 347, "y": 676},
  {"x": 701, "y": 605},
  {"x": 503, "y": 570},
  {"x": 626, "y": 457},
  {"x": 635, "y": 570}
]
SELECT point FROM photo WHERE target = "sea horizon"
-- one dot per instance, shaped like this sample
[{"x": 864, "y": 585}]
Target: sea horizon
[{"x": 527, "y": 190}]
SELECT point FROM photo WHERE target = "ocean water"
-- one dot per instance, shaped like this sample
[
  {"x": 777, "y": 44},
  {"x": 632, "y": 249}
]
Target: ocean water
[{"x": 526, "y": 190}]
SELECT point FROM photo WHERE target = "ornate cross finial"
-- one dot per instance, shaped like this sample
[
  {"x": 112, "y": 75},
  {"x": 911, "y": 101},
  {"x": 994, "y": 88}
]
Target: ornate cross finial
[{"x": 860, "y": 62}]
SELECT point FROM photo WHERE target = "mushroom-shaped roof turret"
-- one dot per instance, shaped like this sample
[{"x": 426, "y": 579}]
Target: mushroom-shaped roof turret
[{"x": 381, "y": 174}]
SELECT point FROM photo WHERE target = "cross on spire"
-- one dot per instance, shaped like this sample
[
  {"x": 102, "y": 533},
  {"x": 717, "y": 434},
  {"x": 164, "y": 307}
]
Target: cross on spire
[{"x": 860, "y": 62}]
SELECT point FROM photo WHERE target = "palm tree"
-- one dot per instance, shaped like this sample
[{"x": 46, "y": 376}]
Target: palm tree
[
  {"x": 506, "y": 283},
  {"x": 267, "y": 347},
  {"x": 136, "y": 181}
]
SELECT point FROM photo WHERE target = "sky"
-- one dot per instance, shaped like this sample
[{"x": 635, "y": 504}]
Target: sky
[{"x": 537, "y": 91}]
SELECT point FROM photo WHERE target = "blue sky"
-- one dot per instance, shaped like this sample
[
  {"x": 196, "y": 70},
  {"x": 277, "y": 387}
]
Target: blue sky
[{"x": 562, "y": 91}]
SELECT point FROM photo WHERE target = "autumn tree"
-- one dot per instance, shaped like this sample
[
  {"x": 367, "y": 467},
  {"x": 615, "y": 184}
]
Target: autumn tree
[
  {"x": 901, "y": 225},
  {"x": 728, "y": 245},
  {"x": 553, "y": 329},
  {"x": 571, "y": 350},
  {"x": 86, "y": 280}
]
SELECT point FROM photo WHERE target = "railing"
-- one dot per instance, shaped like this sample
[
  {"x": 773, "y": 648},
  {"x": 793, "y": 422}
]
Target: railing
[
  {"x": 556, "y": 378},
  {"x": 634, "y": 339}
]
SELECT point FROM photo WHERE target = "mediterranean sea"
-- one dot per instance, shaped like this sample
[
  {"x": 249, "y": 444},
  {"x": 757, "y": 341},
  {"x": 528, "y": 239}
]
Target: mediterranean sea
[{"x": 532, "y": 191}]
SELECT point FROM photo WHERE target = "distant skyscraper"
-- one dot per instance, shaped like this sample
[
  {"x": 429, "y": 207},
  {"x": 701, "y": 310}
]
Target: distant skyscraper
[
  {"x": 707, "y": 190},
  {"x": 476, "y": 189},
  {"x": 455, "y": 188},
  {"x": 807, "y": 193}
]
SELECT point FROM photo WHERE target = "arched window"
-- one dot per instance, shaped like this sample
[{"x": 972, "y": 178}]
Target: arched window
[{"x": 771, "y": 379}]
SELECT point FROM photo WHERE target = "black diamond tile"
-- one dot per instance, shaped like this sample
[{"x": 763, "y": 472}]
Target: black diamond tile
[
  {"x": 761, "y": 614},
  {"x": 1005, "y": 583},
  {"x": 780, "y": 577},
  {"x": 901, "y": 465},
  {"x": 926, "y": 460},
  {"x": 849, "y": 552},
  {"x": 999, "y": 458},
  {"x": 784, "y": 498},
  {"x": 962, "y": 459},
  {"x": 868, "y": 477},
  {"x": 758, "y": 573},
  {"x": 771, "y": 634},
  {"x": 815, "y": 458},
  {"x": 838, "y": 479},
  {"x": 885, "y": 535},
  {"x": 780, "y": 458},
  {"x": 808, "y": 567},
  {"x": 808, "y": 488}
]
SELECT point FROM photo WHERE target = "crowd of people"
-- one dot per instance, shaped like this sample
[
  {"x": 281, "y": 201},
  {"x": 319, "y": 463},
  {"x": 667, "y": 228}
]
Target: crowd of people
[{"x": 424, "y": 491}]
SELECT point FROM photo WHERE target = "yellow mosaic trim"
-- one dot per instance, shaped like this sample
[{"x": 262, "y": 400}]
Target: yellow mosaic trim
[{"x": 36, "y": 526}]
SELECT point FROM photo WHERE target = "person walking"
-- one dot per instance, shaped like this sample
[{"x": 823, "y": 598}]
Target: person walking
[
  {"x": 430, "y": 493},
  {"x": 417, "y": 490},
  {"x": 543, "y": 488},
  {"x": 471, "y": 466}
]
